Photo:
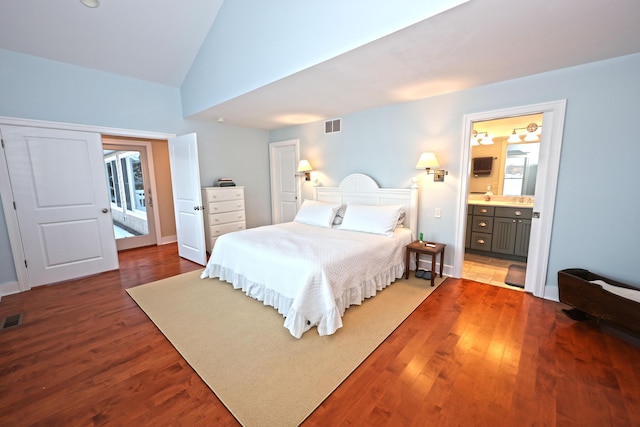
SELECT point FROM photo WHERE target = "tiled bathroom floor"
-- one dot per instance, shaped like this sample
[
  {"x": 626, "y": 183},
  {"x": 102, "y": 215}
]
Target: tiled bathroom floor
[{"x": 487, "y": 270}]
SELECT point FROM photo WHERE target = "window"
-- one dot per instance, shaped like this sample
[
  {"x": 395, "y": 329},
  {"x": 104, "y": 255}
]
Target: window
[{"x": 125, "y": 182}]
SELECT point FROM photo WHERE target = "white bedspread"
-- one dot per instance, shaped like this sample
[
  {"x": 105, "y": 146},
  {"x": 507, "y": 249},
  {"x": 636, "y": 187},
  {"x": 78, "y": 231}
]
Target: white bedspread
[{"x": 310, "y": 274}]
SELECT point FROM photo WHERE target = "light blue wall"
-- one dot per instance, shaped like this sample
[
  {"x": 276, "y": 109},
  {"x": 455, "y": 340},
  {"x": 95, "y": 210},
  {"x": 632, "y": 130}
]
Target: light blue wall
[
  {"x": 241, "y": 154},
  {"x": 255, "y": 42},
  {"x": 598, "y": 194},
  {"x": 36, "y": 88},
  {"x": 40, "y": 89}
]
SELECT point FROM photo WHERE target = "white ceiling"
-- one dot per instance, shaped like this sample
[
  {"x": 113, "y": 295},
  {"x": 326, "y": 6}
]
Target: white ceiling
[{"x": 477, "y": 43}]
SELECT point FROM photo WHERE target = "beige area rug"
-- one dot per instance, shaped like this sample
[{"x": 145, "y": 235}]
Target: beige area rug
[{"x": 242, "y": 351}]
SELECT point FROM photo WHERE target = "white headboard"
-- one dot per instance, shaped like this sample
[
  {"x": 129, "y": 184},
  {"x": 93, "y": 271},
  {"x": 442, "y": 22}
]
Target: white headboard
[{"x": 361, "y": 189}]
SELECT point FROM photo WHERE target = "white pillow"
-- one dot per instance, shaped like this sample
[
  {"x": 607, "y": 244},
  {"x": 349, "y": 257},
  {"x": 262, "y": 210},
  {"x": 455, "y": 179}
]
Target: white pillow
[
  {"x": 316, "y": 213},
  {"x": 371, "y": 219},
  {"x": 337, "y": 220}
]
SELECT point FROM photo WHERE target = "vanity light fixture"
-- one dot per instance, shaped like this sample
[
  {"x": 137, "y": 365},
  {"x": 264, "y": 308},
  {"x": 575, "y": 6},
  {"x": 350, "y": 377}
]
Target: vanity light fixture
[
  {"x": 429, "y": 162},
  {"x": 481, "y": 137},
  {"x": 90, "y": 3},
  {"x": 533, "y": 134},
  {"x": 304, "y": 168}
]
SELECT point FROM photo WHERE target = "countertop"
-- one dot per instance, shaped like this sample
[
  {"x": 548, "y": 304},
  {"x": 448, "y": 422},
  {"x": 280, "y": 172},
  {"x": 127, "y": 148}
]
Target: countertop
[{"x": 501, "y": 203}]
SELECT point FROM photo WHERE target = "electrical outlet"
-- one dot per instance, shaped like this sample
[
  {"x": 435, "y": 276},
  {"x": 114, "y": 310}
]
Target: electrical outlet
[{"x": 438, "y": 212}]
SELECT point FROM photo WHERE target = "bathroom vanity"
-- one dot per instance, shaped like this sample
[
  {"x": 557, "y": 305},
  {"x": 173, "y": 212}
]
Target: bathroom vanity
[{"x": 499, "y": 229}]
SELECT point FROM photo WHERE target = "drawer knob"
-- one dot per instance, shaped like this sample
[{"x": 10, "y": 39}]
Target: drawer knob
[
  {"x": 482, "y": 224},
  {"x": 480, "y": 242},
  {"x": 518, "y": 213},
  {"x": 483, "y": 210}
]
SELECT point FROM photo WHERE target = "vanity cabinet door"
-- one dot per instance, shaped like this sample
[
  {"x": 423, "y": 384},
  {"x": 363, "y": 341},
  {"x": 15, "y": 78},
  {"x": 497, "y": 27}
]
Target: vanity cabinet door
[
  {"x": 504, "y": 235},
  {"x": 523, "y": 230}
]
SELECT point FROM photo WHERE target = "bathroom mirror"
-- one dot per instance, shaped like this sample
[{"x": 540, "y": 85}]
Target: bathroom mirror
[{"x": 514, "y": 164}]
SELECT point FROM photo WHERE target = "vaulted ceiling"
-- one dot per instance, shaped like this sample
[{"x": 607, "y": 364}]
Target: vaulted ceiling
[{"x": 477, "y": 43}]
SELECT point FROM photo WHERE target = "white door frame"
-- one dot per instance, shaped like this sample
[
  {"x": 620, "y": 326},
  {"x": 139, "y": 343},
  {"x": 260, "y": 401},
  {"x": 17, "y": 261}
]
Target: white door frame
[
  {"x": 15, "y": 240},
  {"x": 546, "y": 185},
  {"x": 148, "y": 148},
  {"x": 274, "y": 171}
]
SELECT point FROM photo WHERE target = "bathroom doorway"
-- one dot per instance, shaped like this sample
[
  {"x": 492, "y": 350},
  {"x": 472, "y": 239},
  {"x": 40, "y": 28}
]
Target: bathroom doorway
[
  {"x": 501, "y": 194},
  {"x": 545, "y": 190}
]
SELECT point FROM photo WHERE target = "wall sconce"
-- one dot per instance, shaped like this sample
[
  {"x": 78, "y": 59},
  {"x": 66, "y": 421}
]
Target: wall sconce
[
  {"x": 428, "y": 161},
  {"x": 304, "y": 168},
  {"x": 532, "y": 134},
  {"x": 481, "y": 138}
]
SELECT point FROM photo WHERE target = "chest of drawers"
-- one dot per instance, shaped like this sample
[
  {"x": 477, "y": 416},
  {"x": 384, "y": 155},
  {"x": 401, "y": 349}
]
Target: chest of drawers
[{"x": 223, "y": 212}]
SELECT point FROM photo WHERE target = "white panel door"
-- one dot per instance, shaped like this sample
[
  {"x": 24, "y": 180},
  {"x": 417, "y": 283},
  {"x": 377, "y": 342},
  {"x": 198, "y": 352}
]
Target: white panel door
[
  {"x": 60, "y": 190},
  {"x": 284, "y": 182},
  {"x": 187, "y": 197}
]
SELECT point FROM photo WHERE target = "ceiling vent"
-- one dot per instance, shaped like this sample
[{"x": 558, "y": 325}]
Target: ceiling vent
[{"x": 331, "y": 126}]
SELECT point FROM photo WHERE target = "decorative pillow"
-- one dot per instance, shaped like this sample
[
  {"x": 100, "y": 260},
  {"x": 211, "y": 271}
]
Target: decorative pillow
[
  {"x": 316, "y": 213},
  {"x": 371, "y": 219},
  {"x": 337, "y": 220}
]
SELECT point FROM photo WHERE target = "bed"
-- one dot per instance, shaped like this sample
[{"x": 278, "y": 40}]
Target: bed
[
  {"x": 600, "y": 297},
  {"x": 344, "y": 246}
]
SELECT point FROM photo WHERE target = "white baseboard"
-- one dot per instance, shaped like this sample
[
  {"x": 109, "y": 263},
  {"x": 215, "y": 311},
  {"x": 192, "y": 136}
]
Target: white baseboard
[
  {"x": 551, "y": 293},
  {"x": 426, "y": 265},
  {"x": 9, "y": 288}
]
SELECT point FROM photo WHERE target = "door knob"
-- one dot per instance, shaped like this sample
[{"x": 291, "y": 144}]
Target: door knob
[{"x": 105, "y": 210}]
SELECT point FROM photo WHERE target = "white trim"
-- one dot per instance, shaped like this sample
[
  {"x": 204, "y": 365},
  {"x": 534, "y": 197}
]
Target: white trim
[
  {"x": 84, "y": 128},
  {"x": 13, "y": 228},
  {"x": 546, "y": 185},
  {"x": 9, "y": 288}
]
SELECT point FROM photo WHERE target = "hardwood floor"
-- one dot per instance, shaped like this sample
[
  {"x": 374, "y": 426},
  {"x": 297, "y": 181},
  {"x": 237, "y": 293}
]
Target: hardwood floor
[{"x": 471, "y": 354}]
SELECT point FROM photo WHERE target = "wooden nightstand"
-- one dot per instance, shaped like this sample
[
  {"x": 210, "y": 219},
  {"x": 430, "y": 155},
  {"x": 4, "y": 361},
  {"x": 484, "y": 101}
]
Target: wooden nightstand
[{"x": 421, "y": 248}]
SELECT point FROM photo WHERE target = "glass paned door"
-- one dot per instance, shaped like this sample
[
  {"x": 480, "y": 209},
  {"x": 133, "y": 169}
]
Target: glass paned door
[{"x": 131, "y": 200}]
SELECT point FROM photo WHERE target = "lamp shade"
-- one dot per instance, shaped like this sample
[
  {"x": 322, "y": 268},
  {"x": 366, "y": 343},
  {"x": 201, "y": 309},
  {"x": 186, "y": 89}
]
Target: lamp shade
[
  {"x": 304, "y": 166},
  {"x": 514, "y": 137},
  {"x": 531, "y": 137},
  {"x": 485, "y": 139},
  {"x": 427, "y": 160}
]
